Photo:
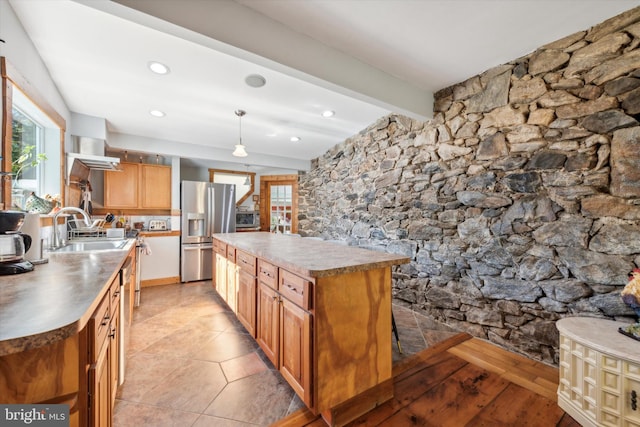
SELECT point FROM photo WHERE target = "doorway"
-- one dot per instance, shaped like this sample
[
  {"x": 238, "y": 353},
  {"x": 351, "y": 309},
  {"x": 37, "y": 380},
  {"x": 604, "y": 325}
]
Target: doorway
[{"x": 279, "y": 203}]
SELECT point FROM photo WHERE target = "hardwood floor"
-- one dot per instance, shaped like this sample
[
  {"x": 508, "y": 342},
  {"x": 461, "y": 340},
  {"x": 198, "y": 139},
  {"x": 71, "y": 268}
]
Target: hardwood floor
[{"x": 463, "y": 381}]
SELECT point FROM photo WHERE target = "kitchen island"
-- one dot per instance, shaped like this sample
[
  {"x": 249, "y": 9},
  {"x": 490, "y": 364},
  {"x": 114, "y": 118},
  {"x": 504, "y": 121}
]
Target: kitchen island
[
  {"x": 59, "y": 333},
  {"x": 320, "y": 311}
]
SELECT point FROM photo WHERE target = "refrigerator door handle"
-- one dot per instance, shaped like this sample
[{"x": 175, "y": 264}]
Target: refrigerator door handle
[
  {"x": 209, "y": 206},
  {"x": 196, "y": 248}
]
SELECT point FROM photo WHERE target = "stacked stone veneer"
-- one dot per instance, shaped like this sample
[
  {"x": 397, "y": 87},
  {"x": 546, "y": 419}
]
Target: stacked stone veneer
[{"x": 518, "y": 204}]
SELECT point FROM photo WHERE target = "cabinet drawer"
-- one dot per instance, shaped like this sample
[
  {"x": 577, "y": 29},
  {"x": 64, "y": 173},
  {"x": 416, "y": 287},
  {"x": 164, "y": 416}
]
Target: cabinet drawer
[
  {"x": 231, "y": 253},
  {"x": 246, "y": 262},
  {"x": 99, "y": 328},
  {"x": 296, "y": 289},
  {"x": 268, "y": 274},
  {"x": 220, "y": 247}
]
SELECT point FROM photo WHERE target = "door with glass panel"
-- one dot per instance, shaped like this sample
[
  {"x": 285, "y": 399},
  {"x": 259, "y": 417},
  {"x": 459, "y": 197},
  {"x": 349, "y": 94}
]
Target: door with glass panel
[{"x": 279, "y": 203}]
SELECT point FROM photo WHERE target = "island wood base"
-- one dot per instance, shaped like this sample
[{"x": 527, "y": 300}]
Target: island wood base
[
  {"x": 48, "y": 374},
  {"x": 321, "y": 312}
]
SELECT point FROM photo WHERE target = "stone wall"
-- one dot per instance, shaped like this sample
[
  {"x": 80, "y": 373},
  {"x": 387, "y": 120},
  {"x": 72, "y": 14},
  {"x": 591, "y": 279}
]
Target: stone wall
[{"x": 519, "y": 203}]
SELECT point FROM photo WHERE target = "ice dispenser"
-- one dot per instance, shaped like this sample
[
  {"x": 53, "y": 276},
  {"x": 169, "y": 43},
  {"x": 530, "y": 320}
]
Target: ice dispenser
[{"x": 195, "y": 225}]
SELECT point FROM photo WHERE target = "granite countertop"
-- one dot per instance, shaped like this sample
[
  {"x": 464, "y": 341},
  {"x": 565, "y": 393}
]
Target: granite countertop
[
  {"x": 56, "y": 299},
  {"x": 310, "y": 257},
  {"x": 601, "y": 335}
]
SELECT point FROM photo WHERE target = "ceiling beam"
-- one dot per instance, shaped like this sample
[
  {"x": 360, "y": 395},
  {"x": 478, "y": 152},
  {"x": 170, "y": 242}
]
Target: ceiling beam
[{"x": 237, "y": 30}]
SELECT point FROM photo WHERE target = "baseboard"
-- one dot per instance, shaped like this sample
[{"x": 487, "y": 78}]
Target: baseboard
[{"x": 161, "y": 281}]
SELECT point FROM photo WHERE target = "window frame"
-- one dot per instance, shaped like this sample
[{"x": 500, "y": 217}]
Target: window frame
[{"x": 11, "y": 78}]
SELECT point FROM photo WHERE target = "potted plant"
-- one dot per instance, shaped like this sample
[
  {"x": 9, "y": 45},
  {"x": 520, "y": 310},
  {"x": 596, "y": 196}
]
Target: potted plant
[{"x": 24, "y": 156}]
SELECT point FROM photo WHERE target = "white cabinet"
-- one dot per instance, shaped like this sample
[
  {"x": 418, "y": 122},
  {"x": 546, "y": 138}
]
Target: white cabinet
[
  {"x": 599, "y": 373},
  {"x": 163, "y": 265}
]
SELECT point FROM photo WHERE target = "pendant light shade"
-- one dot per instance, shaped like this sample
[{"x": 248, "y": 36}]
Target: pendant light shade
[
  {"x": 247, "y": 181},
  {"x": 240, "y": 150}
]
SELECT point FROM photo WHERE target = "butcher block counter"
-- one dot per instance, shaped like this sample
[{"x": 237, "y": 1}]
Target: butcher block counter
[
  {"x": 320, "y": 311},
  {"x": 60, "y": 333}
]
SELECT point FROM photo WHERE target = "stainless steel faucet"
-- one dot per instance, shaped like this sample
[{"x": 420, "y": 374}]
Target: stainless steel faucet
[{"x": 57, "y": 242}]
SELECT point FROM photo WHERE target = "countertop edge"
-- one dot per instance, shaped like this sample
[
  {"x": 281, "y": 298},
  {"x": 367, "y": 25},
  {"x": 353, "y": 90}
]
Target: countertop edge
[
  {"x": 388, "y": 261},
  {"x": 602, "y": 335},
  {"x": 40, "y": 339}
]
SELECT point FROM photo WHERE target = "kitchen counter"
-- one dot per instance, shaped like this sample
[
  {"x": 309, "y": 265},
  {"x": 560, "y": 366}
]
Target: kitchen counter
[
  {"x": 56, "y": 299},
  {"x": 310, "y": 257},
  {"x": 158, "y": 233},
  {"x": 320, "y": 311}
]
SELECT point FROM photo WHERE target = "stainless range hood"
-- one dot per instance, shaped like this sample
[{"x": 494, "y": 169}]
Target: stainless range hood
[{"x": 88, "y": 155}]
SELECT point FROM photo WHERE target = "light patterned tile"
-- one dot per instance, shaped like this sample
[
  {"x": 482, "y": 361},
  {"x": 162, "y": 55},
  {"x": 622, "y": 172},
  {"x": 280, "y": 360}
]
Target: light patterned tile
[
  {"x": 128, "y": 414},
  {"x": 191, "y": 387},
  {"x": 243, "y": 366},
  {"x": 260, "y": 399}
]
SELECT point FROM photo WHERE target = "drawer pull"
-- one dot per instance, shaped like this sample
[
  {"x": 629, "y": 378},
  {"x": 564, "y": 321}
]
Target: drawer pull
[
  {"x": 634, "y": 400},
  {"x": 113, "y": 333},
  {"x": 105, "y": 320},
  {"x": 292, "y": 288}
]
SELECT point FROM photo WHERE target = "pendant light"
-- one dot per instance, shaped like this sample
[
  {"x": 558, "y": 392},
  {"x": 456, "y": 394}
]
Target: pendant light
[
  {"x": 240, "y": 150},
  {"x": 247, "y": 181}
]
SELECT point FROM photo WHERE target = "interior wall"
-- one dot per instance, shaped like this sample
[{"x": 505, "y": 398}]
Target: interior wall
[{"x": 518, "y": 204}]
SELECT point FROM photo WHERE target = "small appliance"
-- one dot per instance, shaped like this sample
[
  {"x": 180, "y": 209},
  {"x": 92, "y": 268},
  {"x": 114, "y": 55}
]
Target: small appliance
[
  {"x": 247, "y": 219},
  {"x": 157, "y": 225},
  {"x": 13, "y": 244}
]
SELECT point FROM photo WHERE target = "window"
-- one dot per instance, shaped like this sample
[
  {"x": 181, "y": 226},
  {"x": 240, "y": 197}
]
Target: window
[
  {"x": 36, "y": 127},
  {"x": 26, "y": 157}
]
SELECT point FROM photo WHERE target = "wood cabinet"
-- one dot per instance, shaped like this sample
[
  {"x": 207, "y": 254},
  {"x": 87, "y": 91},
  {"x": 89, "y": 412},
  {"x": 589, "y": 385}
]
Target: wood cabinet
[
  {"x": 103, "y": 363},
  {"x": 247, "y": 291},
  {"x": 316, "y": 328},
  {"x": 599, "y": 373},
  {"x": 295, "y": 348},
  {"x": 232, "y": 279},
  {"x": 220, "y": 268},
  {"x": 76, "y": 361},
  {"x": 138, "y": 186}
]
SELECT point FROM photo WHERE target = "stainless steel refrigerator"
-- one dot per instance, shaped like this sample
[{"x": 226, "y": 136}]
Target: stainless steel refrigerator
[{"x": 206, "y": 208}]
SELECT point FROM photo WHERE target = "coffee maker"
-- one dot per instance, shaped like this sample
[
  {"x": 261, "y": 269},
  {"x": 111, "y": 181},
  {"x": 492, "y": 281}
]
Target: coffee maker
[{"x": 13, "y": 244}]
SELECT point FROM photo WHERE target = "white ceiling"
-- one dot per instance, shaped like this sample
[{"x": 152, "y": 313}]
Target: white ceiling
[{"x": 361, "y": 58}]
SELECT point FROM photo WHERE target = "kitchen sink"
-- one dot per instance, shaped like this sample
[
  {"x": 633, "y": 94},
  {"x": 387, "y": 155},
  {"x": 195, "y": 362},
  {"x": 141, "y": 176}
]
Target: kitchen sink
[{"x": 96, "y": 245}]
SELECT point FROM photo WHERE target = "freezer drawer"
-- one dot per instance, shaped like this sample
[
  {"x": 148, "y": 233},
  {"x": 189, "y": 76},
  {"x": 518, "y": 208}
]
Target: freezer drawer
[{"x": 196, "y": 262}]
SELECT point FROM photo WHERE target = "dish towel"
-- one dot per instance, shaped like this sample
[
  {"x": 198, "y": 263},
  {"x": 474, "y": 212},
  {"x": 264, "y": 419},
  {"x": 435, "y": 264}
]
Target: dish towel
[{"x": 145, "y": 249}]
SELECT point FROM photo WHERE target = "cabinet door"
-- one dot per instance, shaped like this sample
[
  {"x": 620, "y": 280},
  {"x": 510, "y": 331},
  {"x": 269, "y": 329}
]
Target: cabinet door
[
  {"x": 99, "y": 396},
  {"x": 221, "y": 276},
  {"x": 247, "y": 301},
  {"x": 114, "y": 365},
  {"x": 631, "y": 390},
  {"x": 156, "y": 186},
  {"x": 232, "y": 279},
  {"x": 267, "y": 328},
  {"x": 121, "y": 188},
  {"x": 295, "y": 349}
]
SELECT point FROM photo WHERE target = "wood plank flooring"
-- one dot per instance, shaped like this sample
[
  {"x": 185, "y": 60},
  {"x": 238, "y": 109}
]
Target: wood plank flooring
[{"x": 463, "y": 381}]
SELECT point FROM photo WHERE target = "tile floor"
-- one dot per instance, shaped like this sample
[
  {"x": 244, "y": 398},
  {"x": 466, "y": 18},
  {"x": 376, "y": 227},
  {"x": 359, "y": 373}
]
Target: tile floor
[{"x": 191, "y": 363}]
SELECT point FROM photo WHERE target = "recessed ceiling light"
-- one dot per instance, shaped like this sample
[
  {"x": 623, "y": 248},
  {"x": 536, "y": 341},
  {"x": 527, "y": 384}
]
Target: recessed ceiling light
[
  {"x": 255, "y": 80},
  {"x": 158, "y": 67},
  {"x": 328, "y": 113},
  {"x": 295, "y": 139},
  {"x": 157, "y": 113}
]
